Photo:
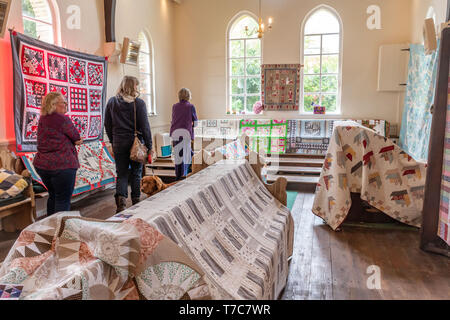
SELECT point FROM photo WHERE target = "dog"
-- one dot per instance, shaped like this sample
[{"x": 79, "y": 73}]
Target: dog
[{"x": 151, "y": 185}]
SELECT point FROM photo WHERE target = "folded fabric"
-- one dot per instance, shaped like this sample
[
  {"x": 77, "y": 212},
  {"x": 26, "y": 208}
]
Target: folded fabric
[{"x": 11, "y": 184}]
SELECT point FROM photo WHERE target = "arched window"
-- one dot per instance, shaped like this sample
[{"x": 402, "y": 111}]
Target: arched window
[
  {"x": 38, "y": 20},
  {"x": 146, "y": 76},
  {"x": 244, "y": 65},
  {"x": 322, "y": 54}
]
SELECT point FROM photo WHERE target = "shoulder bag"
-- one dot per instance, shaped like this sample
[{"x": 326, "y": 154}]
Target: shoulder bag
[{"x": 138, "y": 151}]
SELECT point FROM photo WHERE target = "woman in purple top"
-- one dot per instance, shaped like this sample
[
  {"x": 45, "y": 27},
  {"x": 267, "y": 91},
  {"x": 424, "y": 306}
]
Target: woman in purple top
[
  {"x": 184, "y": 119},
  {"x": 56, "y": 161}
]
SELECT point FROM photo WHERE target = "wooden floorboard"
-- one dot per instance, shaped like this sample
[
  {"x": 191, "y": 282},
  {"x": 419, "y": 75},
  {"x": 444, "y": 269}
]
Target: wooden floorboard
[{"x": 331, "y": 265}]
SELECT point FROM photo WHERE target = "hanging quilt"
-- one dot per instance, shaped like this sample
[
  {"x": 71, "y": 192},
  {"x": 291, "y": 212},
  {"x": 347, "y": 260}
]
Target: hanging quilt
[
  {"x": 444, "y": 217},
  {"x": 280, "y": 85},
  {"x": 309, "y": 136},
  {"x": 416, "y": 122},
  {"x": 361, "y": 161},
  {"x": 40, "y": 68},
  {"x": 267, "y": 136},
  {"x": 97, "y": 167}
]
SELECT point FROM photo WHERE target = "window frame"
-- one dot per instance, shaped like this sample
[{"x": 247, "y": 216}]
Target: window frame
[
  {"x": 229, "y": 59},
  {"x": 55, "y": 23},
  {"x": 311, "y": 13},
  {"x": 151, "y": 76}
]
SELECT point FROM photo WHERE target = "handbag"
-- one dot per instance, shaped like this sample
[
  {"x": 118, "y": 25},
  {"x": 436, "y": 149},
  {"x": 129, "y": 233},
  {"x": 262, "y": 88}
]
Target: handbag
[{"x": 138, "y": 151}]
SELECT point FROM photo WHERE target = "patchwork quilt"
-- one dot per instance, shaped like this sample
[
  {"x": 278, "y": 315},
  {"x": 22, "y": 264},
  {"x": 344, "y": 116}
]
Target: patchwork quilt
[
  {"x": 228, "y": 128},
  {"x": 227, "y": 222},
  {"x": 72, "y": 258},
  {"x": 40, "y": 68},
  {"x": 280, "y": 86},
  {"x": 362, "y": 161},
  {"x": 309, "y": 136},
  {"x": 444, "y": 217},
  {"x": 417, "y": 118},
  {"x": 266, "y": 135},
  {"x": 97, "y": 167}
]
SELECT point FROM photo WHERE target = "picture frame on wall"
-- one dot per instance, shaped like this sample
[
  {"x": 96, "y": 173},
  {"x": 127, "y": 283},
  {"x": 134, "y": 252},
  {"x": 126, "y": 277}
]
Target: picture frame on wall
[{"x": 4, "y": 12}]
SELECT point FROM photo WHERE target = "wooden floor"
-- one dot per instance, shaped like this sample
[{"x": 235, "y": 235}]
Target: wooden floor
[{"x": 333, "y": 265}]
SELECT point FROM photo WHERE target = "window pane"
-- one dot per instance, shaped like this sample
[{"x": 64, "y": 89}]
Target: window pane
[
  {"x": 329, "y": 102},
  {"x": 253, "y": 85},
  {"x": 329, "y": 84},
  {"x": 330, "y": 64},
  {"x": 311, "y": 83},
  {"x": 148, "y": 102},
  {"x": 253, "y": 48},
  {"x": 237, "y": 86},
  {"x": 237, "y": 67},
  {"x": 145, "y": 84},
  {"x": 44, "y": 32},
  {"x": 244, "y": 27},
  {"x": 253, "y": 66},
  {"x": 38, "y": 9},
  {"x": 312, "y": 45},
  {"x": 330, "y": 44},
  {"x": 251, "y": 101},
  {"x": 312, "y": 64},
  {"x": 309, "y": 102},
  {"x": 237, "y": 104},
  {"x": 322, "y": 21},
  {"x": 237, "y": 48},
  {"x": 29, "y": 28},
  {"x": 144, "y": 63},
  {"x": 145, "y": 47}
]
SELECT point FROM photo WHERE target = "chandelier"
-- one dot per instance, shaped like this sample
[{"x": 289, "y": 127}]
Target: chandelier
[{"x": 261, "y": 24}]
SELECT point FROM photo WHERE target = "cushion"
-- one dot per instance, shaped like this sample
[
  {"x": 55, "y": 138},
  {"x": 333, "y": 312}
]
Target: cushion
[{"x": 11, "y": 184}]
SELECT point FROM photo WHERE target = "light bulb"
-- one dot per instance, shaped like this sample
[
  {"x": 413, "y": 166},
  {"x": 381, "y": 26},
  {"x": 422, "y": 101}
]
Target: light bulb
[{"x": 270, "y": 21}]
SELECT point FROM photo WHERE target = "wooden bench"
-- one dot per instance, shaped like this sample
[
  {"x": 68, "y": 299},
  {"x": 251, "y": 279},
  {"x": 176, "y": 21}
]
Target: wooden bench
[{"x": 19, "y": 215}]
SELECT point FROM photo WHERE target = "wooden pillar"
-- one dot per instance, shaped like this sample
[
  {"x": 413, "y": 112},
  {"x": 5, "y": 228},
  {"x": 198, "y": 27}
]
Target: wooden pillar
[
  {"x": 448, "y": 10},
  {"x": 110, "y": 20}
]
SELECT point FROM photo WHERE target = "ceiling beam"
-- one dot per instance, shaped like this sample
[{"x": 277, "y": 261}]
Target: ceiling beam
[{"x": 110, "y": 20}]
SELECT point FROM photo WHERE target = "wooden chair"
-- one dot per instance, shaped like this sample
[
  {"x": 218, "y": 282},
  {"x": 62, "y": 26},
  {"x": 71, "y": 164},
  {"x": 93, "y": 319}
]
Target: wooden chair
[{"x": 17, "y": 216}]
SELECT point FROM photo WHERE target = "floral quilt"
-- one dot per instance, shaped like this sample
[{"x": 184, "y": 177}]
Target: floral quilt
[
  {"x": 266, "y": 135},
  {"x": 65, "y": 257},
  {"x": 361, "y": 161}
]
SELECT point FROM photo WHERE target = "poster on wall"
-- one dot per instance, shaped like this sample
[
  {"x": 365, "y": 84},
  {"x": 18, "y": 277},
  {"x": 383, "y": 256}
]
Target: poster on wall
[
  {"x": 280, "y": 85},
  {"x": 4, "y": 10},
  {"x": 40, "y": 68}
]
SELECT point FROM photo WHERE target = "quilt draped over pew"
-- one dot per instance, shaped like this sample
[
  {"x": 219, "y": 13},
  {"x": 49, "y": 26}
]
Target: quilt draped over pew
[
  {"x": 227, "y": 222},
  {"x": 361, "y": 161},
  {"x": 73, "y": 258},
  {"x": 97, "y": 167}
]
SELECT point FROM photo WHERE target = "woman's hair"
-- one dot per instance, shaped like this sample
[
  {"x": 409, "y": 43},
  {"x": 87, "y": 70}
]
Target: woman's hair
[
  {"x": 49, "y": 103},
  {"x": 128, "y": 87},
  {"x": 184, "y": 94}
]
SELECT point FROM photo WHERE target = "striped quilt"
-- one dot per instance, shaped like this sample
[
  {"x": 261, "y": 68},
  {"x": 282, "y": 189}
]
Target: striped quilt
[{"x": 230, "y": 225}]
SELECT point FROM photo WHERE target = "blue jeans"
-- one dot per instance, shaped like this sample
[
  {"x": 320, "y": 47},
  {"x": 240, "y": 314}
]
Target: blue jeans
[
  {"x": 60, "y": 185},
  {"x": 127, "y": 171}
]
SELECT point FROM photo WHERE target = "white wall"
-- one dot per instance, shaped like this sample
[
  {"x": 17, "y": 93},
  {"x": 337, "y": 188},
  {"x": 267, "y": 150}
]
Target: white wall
[
  {"x": 201, "y": 27},
  {"x": 419, "y": 12}
]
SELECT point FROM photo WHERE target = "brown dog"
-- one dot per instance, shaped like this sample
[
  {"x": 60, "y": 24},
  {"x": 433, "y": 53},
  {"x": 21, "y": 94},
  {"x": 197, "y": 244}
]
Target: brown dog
[{"x": 151, "y": 185}]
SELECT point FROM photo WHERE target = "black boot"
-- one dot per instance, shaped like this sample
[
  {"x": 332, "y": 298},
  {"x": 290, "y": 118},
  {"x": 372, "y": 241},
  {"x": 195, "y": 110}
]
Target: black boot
[
  {"x": 121, "y": 203},
  {"x": 135, "y": 200}
]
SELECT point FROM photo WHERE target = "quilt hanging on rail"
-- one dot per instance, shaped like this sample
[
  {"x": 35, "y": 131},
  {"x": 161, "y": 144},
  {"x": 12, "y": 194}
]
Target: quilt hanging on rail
[{"x": 40, "y": 68}]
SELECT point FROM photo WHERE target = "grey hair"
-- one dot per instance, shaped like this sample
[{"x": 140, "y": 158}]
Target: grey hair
[{"x": 184, "y": 94}]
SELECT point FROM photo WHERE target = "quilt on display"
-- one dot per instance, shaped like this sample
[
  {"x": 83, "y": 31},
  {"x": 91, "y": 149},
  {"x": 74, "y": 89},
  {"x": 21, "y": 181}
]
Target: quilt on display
[
  {"x": 228, "y": 128},
  {"x": 67, "y": 257},
  {"x": 40, "y": 68},
  {"x": 227, "y": 222},
  {"x": 265, "y": 135},
  {"x": 362, "y": 161},
  {"x": 309, "y": 136},
  {"x": 280, "y": 85},
  {"x": 97, "y": 167},
  {"x": 416, "y": 121},
  {"x": 444, "y": 217}
]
